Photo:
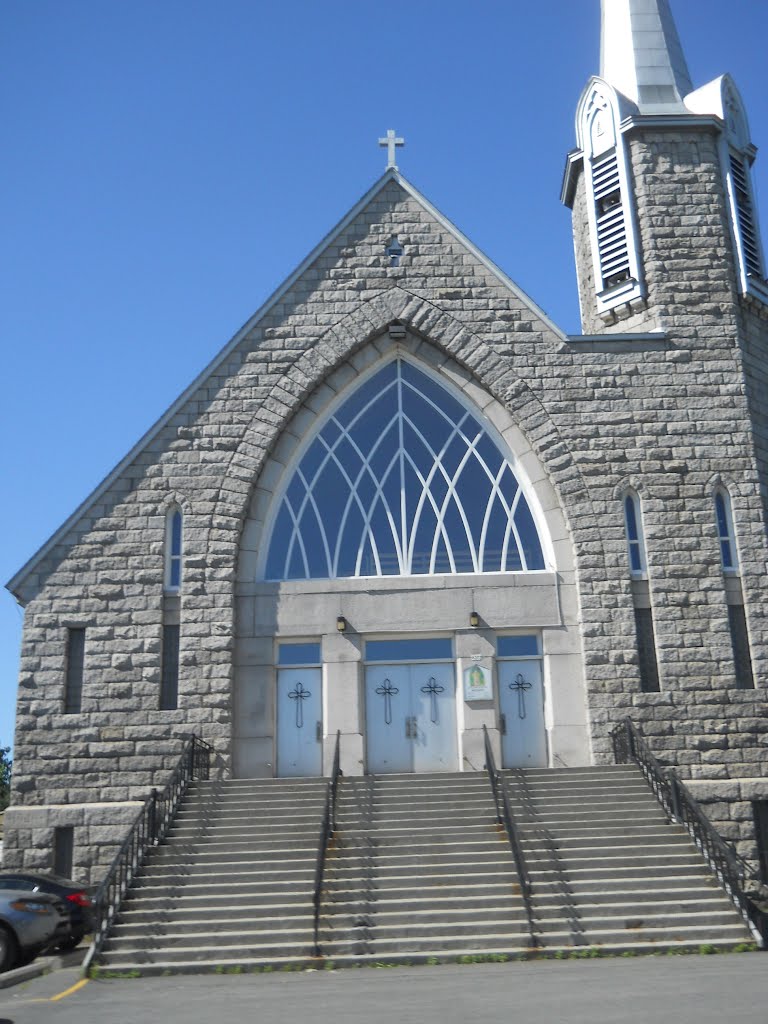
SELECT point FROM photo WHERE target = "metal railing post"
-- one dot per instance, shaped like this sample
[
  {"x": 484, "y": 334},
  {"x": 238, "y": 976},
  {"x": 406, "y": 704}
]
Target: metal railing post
[{"x": 504, "y": 817}]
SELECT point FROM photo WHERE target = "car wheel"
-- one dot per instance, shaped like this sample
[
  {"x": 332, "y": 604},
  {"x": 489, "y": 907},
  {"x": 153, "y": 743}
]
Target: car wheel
[{"x": 8, "y": 949}]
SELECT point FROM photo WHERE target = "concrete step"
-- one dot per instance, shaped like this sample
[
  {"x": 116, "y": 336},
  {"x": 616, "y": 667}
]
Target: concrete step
[
  {"x": 217, "y": 933},
  {"x": 147, "y": 914},
  {"x": 230, "y": 848},
  {"x": 248, "y": 884},
  {"x": 235, "y": 951}
]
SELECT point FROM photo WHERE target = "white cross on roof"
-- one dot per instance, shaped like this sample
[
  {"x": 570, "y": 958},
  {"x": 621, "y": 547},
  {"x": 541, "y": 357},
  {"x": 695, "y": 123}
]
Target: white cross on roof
[{"x": 391, "y": 142}]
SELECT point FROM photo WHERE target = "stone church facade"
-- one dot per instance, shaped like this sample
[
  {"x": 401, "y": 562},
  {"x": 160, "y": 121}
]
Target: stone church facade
[{"x": 402, "y": 504}]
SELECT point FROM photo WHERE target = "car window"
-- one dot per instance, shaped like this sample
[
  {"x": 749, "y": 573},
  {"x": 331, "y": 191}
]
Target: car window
[{"x": 9, "y": 882}]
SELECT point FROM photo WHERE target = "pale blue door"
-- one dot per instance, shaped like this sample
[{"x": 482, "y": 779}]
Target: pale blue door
[
  {"x": 433, "y": 700},
  {"x": 387, "y": 719},
  {"x": 411, "y": 718},
  {"x": 521, "y": 696},
  {"x": 299, "y": 722}
]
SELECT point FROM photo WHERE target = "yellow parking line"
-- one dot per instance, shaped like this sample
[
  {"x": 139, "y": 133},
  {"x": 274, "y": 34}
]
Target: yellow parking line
[{"x": 70, "y": 990}]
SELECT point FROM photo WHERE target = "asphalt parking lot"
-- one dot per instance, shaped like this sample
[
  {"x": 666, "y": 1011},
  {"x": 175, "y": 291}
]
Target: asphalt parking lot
[{"x": 727, "y": 989}]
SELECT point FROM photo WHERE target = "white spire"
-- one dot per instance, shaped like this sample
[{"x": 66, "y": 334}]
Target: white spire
[{"x": 641, "y": 56}]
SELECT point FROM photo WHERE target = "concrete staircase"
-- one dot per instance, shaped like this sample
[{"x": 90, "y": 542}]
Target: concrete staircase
[
  {"x": 609, "y": 871},
  {"x": 419, "y": 870},
  {"x": 231, "y": 885}
]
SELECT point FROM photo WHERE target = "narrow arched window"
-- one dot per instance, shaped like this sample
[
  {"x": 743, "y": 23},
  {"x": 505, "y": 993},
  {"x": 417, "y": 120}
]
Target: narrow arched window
[
  {"x": 725, "y": 532},
  {"x": 402, "y": 479},
  {"x": 634, "y": 528},
  {"x": 173, "y": 549}
]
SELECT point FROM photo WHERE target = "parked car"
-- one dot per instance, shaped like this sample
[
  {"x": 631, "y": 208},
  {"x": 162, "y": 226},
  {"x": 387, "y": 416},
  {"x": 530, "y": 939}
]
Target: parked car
[
  {"x": 77, "y": 899},
  {"x": 29, "y": 923}
]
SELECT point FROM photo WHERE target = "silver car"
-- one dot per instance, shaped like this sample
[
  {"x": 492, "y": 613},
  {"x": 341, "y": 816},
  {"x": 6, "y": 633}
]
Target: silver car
[{"x": 29, "y": 923}]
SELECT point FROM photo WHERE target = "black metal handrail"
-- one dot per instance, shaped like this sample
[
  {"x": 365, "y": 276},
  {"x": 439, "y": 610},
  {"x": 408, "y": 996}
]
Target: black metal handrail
[
  {"x": 504, "y": 817},
  {"x": 733, "y": 872},
  {"x": 148, "y": 829},
  {"x": 327, "y": 831}
]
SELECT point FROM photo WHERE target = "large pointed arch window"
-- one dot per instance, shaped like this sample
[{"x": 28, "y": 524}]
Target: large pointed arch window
[{"x": 402, "y": 479}]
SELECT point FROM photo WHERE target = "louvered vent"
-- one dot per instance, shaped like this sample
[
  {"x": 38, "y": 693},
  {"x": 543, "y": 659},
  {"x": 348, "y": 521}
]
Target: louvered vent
[
  {"x": 611, "y": 229},
  {"x": 746, "y": 217}
]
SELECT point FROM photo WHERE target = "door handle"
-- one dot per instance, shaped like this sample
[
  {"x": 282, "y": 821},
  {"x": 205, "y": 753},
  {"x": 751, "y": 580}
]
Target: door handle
[
  {"x": 503, "y": 725},
  {"x": 319, "y": 732}
]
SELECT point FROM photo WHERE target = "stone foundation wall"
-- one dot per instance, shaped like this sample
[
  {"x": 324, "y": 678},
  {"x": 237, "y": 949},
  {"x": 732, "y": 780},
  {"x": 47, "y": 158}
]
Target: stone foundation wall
[{"x": 99, "y": 829}]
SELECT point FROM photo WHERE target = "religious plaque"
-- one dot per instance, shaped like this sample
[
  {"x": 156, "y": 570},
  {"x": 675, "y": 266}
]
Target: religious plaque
[{"x": 478, "y": 683}]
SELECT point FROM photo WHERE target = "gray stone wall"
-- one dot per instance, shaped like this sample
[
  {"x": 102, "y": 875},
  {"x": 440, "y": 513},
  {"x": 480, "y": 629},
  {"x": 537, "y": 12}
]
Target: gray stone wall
[{"x": 666, "y": 417}]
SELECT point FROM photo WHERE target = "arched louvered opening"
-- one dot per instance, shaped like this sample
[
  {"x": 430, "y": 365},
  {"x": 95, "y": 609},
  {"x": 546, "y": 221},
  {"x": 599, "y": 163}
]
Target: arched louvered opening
[{"x": 402, "y": 479}]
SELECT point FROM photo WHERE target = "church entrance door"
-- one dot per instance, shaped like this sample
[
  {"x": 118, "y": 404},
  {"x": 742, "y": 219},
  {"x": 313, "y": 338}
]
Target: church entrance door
[
  {"x": 411, "y": 718},
  {"x": 521, "y": 696},
  {"x": 299, "y": 722}
]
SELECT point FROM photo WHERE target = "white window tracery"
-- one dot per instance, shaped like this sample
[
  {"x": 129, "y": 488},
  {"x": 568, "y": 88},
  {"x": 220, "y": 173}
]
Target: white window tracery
[{"x": 402, "y": 479}]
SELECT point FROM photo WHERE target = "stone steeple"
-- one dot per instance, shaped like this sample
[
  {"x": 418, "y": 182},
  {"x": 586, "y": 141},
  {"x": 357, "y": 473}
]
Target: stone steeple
[{"x": 641, "y": 55}]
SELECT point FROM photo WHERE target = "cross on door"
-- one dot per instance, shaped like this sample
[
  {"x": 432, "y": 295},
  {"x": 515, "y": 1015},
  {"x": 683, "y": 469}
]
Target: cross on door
[
  {"x": 522, "y": 685},
  {"x": 433, "y": 688},
  {"x": 299, "y": 695},
  {"x": 387, "y": 691}
]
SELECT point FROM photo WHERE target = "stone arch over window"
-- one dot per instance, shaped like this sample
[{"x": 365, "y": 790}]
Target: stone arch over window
[{"x": 402, "y": 477}]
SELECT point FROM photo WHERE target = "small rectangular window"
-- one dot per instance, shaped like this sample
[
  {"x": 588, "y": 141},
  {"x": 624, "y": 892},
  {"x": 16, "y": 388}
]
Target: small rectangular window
[
  {"x": 299, "y": 654},
  {"x": 169, "y": 681},
  {"x": 433, "y": 649},
  {"x": 63, "y": 851},
  {"x": 646, "y": 650},
  {"x": 73, "y": 683},
  {"x": 742, "y": 659},
  {"x": 760, "y": 810},
  {"x": 518, "y": 647}
]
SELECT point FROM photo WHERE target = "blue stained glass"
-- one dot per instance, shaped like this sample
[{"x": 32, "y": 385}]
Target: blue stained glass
[
  {"x": 429, "y": 649},
  {"x": 362, "y": 509},
  {"x": 176, "y": 534},
  {"x": 298, "y": 654},
  {"x": 725, "y": 554},
  {"x": 494, "y": 539},
  {"x": 297, "y": 568},
  {"x": 175, "y": 580},
  {"x": 722, "y": 518},
  {"x": 517, "y": 646},
  {"x": 629, "y": 509},
  {"x": 314, "y": 545},
  {"x": 529, "y": 538},
  {"x": 281, "y": 538},
  {"x": 374, "y": 389}
]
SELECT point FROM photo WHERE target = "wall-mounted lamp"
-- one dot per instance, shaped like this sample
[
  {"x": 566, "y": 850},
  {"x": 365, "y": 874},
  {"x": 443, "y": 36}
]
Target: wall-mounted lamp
[
  {"x": 474, "y": 620},
  {"x": 341, "y": 623}
]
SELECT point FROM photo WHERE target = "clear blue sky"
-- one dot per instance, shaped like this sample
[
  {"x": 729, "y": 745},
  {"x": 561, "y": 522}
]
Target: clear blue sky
[{"x": 167, "y": 163}]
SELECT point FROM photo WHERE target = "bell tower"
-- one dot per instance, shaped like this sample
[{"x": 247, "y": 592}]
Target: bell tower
[{"x": 660, "y": 182}]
